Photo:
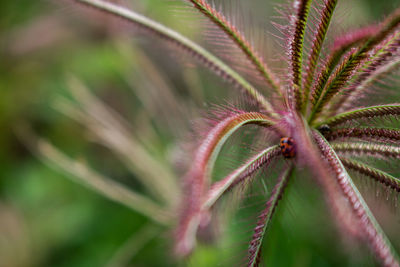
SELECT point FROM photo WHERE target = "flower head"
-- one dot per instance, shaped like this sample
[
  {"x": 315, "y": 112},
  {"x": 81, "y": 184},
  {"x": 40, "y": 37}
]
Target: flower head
[{"x": 313, "y": 114}]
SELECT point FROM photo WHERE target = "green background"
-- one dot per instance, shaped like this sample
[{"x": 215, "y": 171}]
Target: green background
[{"x": 46, "y": 219}]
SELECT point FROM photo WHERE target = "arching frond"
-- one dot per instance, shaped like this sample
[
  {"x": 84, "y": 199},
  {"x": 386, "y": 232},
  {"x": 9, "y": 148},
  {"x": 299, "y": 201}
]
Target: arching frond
[
  {"x": 240, "y": 40},
  {"x": 365, "y": 133},
  {"x": 372, "y": 232},
  {"x": 265, "y": 217},
  {"x": 341, "y": 45},
  {"x": 183, "y": 43},
  {"x": 349, "y": 65},
  {"x": 237, "y": 176},
  {"x": 319, "y": 38},
  {"x": 198, "y": 177},
  {"x": 385, "y": 59},
  {"x": 368, "y": 149},
  {"x": 95, "y": 181},
  {"x": 353, "y": 62},
  {"x": 299, "y": 21},
  {"x": 372, "y": 172},
  {"x": 362, "y": 113}
]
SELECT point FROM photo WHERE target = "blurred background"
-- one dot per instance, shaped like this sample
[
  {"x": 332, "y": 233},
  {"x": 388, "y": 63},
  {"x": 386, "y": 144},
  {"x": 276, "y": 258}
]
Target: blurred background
[{"x": 92, "y": 118}]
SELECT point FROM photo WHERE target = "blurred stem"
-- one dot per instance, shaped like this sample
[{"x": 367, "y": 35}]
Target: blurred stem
[
  {"x": 113, "y": 132},
  {"x": 248, "y": 168},
  {"x": 371, "y": 231},
  {"x": 93, "y": 180},
  {"x": 103, "y": 185},
  {"x": 133, "y": 245},
  {"x": 184, "y": 44}
]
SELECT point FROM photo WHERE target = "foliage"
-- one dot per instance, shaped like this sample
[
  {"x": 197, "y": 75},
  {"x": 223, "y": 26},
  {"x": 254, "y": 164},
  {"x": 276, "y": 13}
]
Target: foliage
[{"x": 320, "y": 105}]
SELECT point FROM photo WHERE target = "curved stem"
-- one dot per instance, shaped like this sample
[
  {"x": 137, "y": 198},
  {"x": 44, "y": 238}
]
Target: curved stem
[
  {"x": 239, "y": 39},
  {"x": 336, "y": 82},
  {"x": 183, "y": 43},
  {"x": 366, "y": 133},
  {"x": 198, "y": 177},
  {"x": 302, "y": 9},
  {"x": 368, "y": 149},
  {"x": 372, "y": 232},
  {"x": 106, "y": 187},
  {"x": 340, "y": 47},
  {"x": 112, "y": 131},
  {"x": 266, "y": 216},
  {"x": 349, "y": 65},
  {"x": 311, "y": 157},
  {"x": 383, "y": 61},
  {"x": 362, "y": 113},
  {"x": 241, "y": 173},
  {"x": 372, "y": 172},
  {"x": 319, "y": 38}
]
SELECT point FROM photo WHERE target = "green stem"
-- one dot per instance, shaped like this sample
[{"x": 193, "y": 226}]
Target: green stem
[
  {"x": 240, "y": 41},
  {"x": 183, "y": 42},
  {"x": 371, "y": 230},
  {"x": 372, "y": 172},
  {"x": 266, "y": 216},
  {"x": 220, "y": 187},
  {"x": 362, "y": 113}
]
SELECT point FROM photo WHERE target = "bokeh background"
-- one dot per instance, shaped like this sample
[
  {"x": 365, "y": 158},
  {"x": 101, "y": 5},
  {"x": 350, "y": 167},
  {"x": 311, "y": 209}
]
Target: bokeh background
[{"x": 85, "y": 100}]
